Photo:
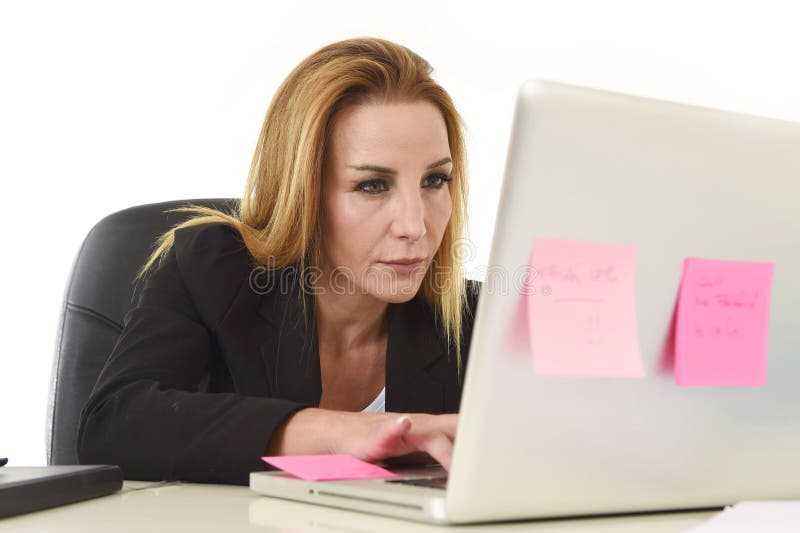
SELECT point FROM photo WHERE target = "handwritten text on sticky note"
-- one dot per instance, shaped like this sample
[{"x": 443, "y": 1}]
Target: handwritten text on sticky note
[
  {"x": 722, "y": 323},
  {"x": 582, "y": 311},
  {"x": 327, "y": 467}
]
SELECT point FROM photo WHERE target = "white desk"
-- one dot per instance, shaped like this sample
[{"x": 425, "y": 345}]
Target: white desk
[{"x": 143, "y": 507}]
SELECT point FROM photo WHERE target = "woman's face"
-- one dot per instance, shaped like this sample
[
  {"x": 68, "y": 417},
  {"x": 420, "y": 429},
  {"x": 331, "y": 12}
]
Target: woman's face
[{"x": 385, "y": 198}]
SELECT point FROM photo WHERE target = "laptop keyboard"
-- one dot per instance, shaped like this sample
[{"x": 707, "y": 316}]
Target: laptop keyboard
[{"x": 429, "y": 482}]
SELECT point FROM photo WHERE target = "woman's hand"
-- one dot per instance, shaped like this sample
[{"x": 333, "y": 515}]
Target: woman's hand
[{"x": 380, "y": 436}]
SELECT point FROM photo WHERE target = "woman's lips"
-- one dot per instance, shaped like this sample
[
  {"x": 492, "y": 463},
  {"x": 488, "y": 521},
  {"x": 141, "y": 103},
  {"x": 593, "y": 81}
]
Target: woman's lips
[{"x": 405, "y": 268}]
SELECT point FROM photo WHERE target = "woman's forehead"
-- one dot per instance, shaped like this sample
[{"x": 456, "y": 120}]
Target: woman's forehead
[{"x": 386, "y": 129}]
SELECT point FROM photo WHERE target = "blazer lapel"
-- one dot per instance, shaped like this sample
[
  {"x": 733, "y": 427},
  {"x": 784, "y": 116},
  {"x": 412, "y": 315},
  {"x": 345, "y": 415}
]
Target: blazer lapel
[
  {"x": 414, "y": 345},
  {"x": 289, "y": 348},
  {"x": 239, "y": 335}
]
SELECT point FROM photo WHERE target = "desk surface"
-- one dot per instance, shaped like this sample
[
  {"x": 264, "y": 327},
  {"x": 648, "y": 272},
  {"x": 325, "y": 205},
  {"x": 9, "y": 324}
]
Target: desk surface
[{"x": 150, "y": 507}]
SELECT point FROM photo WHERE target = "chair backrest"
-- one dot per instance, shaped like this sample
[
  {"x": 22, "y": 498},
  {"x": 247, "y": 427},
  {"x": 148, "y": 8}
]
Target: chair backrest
[{"x": 100, "y": 291}]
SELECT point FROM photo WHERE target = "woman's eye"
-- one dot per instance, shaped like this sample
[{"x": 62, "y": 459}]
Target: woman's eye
[
  {"x": 436, "y": 181},
  {"x": 377, "y": 186},
  {"x": 372, "y": 186}
]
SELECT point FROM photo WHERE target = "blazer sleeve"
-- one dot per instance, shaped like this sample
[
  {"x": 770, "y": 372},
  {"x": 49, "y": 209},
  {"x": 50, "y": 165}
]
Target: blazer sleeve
[{"x": 146, "y": 413}]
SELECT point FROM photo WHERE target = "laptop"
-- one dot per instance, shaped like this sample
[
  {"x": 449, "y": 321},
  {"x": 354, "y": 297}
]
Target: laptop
[{"x": 675, "y": 181}]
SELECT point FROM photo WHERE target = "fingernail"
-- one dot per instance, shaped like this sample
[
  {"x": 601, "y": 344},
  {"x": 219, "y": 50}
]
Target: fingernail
[{"x": 403, "y": 419}]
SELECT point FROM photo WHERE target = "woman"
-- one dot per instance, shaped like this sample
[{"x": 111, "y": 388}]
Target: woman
[{"x": 328, "y": 314}]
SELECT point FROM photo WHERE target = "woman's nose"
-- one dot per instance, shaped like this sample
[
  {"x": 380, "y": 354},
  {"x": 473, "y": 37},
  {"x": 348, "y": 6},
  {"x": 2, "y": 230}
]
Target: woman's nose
[{"x": 409, "y": 216}]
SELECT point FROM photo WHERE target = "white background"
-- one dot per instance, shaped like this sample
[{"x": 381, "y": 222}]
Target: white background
[{"x": 105, "y": 105}]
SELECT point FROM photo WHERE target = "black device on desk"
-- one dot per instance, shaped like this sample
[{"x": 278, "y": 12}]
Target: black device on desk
[{"x": 24, "y": 489}]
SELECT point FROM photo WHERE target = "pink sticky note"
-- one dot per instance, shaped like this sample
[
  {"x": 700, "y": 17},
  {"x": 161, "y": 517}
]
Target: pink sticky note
[
  {"x": 722, "y": 323},
  {"x": 327, "y": 467},
  {"x": 582, "y": 309}
]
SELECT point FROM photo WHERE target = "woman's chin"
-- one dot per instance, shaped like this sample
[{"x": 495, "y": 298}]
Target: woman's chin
[{"x": 402, "y": 293}]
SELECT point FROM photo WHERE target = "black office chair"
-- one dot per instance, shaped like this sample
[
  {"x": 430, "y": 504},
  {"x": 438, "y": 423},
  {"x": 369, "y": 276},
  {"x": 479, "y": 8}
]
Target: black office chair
[{"x": 100, "y": 291}]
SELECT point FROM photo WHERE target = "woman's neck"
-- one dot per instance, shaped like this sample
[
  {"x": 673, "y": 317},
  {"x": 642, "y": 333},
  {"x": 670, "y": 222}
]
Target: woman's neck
[{"x": 350, "y": 322}]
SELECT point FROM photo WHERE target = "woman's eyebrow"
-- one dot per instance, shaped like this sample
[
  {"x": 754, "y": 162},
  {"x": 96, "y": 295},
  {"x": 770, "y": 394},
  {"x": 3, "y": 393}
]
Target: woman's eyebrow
[{"x": 387, "y": 170}]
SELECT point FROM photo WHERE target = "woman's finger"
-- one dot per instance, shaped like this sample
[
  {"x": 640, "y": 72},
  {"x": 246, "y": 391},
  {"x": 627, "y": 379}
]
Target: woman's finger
[
  {"x": 390, "y": 434},
  {"x": 440, "y": 447},
  {"x": 447, "y": 424}
]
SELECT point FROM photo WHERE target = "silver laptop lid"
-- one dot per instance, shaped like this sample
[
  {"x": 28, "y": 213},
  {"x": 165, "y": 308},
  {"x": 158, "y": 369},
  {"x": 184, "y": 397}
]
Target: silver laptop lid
[{"x": 675, "y": 181}]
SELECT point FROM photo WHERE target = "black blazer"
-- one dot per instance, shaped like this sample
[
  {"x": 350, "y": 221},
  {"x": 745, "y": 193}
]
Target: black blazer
[{"x": 209, "y": 364}]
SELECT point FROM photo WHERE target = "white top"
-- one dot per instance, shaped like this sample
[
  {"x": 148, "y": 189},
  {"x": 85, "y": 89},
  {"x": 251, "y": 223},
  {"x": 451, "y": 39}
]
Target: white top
[{"x": 378, "y": 405}]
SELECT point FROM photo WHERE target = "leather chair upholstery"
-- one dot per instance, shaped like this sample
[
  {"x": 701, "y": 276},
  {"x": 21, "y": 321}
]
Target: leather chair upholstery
[{"x": 100, "y": 291}]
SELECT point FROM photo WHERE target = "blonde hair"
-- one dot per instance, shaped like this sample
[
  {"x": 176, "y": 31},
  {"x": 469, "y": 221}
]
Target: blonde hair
[{"x": 277, "y": 217}]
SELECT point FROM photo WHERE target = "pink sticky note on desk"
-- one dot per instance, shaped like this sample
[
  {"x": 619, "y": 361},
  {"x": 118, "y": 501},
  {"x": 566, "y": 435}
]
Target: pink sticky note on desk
[
  {"x": 722, "y": 323},
  {"x": 327, "y": 467},
  {"x": 582, "y": 309}
]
